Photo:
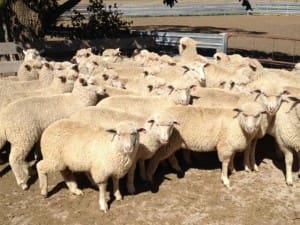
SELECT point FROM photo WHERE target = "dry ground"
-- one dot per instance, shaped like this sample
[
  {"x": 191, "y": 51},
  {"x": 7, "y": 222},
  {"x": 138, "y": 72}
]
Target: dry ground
[{"x": 198, "y": 197}]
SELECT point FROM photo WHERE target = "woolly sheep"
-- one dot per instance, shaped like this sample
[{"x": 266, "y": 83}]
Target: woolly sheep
[
  {"x": 145, "y": 105},
  {"x": 60, "y": 84},
  {"x": 227, "y": 130},
  {"x": 188, "y": 51},
  {"x": 286, "y": 131},
  {"x": 23, "y": 121},
  {"x": 45, "y": 78},
  {"x": 69, "y": 146},
  {"x": 159, "y": 127}
]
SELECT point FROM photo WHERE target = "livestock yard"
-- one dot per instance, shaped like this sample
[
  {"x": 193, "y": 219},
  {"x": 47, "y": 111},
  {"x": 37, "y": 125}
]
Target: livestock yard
[{"x": 196, "y": 195}]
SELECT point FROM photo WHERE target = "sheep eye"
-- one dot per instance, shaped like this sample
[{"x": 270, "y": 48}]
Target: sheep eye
[
  {"x": 245, "y": 115},
  {"x": 257, "y": 116}
]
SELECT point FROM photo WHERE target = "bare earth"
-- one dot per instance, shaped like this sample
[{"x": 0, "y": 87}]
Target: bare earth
[{"x": 196, "y": 198}]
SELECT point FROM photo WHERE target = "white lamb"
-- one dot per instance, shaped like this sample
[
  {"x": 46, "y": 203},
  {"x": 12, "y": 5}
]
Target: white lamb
[
  {"x": 23, "y": 121},
  {"x": 68, "y": 146}
]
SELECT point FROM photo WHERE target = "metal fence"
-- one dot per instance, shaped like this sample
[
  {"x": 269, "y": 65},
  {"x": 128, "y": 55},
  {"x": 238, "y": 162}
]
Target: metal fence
[{"x": 197, "y": 9}]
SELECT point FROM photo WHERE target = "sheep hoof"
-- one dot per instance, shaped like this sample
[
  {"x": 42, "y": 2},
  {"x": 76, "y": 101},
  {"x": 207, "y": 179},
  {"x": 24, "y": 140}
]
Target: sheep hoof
[
  {"x": 118, "y": 197},
  {"x": 226, "y": 182},
  {"x": 289, "y": 182},
  {"x": 131, "y": 191},
  {"x": 247, "y": 169},
  {"x": 77, "y": 192},
  {"x": 104, "y": 208},
  {"x": 256, "y": 168},
  {"x": 44, "y": 194},
  {"x": 24, "y": 187}
]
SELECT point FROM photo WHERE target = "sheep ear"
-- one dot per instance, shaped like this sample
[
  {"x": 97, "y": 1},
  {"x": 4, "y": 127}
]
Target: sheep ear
[
  {"x": 175, "y": 122},
  {"x": 171, "y": 89},
  {"x": 218, "y": 58},
  {"x": 286, "y": 92},
  {"x": 222, "y": 84},
  {"x": 75, "y": 68},
  {"x": 89, "y": 49},
  {"x": 63, "y": 79},
  {"x": 146, "y": 73},
  {"x": 238, "y": 110},
  {"x": 28, "y": 67},
  {"x": 232, "y": 83},
  {"x": 253, "y": 67},
  {"x": 183, "y": 46},
  {"x": 47, "y": 65},
  {"x": 150, "y": 121},
  {"x": 83, "y": 81},
  {"x": 186, "y": 69},
  {"x": 105, "y": 76},
  {"x": 150, "y": 87},
  {"x": 112, "y": 131},
  {"x": 258, "y": 92},
  {"x": 206, "y": 64},
  {"x": 24, "y": 52},
  {"x": 193, "y": 87},
  {"x": 294, "y": 99},
  {"x": 88, "y": 54},
  {"x": 142, "y": 130}
]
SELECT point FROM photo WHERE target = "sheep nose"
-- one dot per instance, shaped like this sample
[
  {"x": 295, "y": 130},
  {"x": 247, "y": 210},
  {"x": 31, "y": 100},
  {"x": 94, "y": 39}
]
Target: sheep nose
[
  {"x": 163, "y": 141},
  {"x": 128, "y": 149}
]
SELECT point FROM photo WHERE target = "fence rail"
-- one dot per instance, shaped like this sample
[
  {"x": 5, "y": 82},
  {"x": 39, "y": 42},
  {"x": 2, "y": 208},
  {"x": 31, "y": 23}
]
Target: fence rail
[{"x": 197, "y": 9}]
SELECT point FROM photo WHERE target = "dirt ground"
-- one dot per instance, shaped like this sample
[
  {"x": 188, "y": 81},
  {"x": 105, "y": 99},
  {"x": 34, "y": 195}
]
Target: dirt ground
[{"x": 196, "y": 198}]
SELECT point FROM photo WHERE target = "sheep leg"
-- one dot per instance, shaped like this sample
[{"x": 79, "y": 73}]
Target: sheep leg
[
  {"x": 130, "y": 179},
  {"x": 116, "y": 189},
  {"x": 153, "y": 164},
  {"x": 231, "y": 164},
  {"x": 18, "y": 165},
  {"x": 252, "y": 155},
  {"x": 174, "y": 164},
  {"x": 42, "y": 173},
  {"x": 288, "y": 157},
  {"x": 225, "y": 155},
  {"x": 247, "y": 153},
  {"x": 102, "y": 202},
  {"x": 187, "y": 155},
  {"x": 142, "y": 169},
  {"x": 70, "y": 182},
  {"x": 91, "y": 180}
]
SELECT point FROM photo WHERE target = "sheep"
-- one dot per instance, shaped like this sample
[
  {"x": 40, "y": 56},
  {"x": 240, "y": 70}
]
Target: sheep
[
  {"x": 227, "y": 130},
  {"x": 188, "y": 51},
  {"x": 69, "y": 146},
  {"x": 28, "y": 70},
  {"x": 32, "y": 53},
  {"x": 82, "y": 54},
  {"x": 23, "y": 121},
  {"x": 145, "y": 105},
  {"x": 286, "y": 131},
  {"x": 111, "y": 55},
  {"x": 159, "y": 127},
  {"x": 45, "y": 78},
  {"x": 60, "y": 84}
]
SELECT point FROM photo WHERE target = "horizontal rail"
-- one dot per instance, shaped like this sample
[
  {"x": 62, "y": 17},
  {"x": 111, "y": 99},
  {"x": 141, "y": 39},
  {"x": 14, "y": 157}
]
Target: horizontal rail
[{"x": 193, "y": 9}]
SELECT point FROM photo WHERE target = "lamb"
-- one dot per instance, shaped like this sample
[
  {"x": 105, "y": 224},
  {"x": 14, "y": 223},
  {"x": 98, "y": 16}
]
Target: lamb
[
  {"x": 286, "y": 131},
  {"x": 32, "y": 53},
  {"x": 159, "y": 127},
  {"x": 106, "y": 153},
  {"x": 23, "y": 121},
  {"x": 227, "y": 130}
]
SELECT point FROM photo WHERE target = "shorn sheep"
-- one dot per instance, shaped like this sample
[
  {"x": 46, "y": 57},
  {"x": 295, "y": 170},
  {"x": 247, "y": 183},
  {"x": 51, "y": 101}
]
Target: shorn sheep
[
  {"x": 208, "y": 129},
  {"x": 68, "y": 145},
  {"x": 23, "y": 121}
]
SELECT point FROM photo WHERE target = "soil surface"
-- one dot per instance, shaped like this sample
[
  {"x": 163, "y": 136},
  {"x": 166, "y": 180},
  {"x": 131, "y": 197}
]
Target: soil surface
[{"x": 196, "y": 198}]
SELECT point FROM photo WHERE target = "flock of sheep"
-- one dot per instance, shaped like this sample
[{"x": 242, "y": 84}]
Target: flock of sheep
[{"x": 103, "y": 114}]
